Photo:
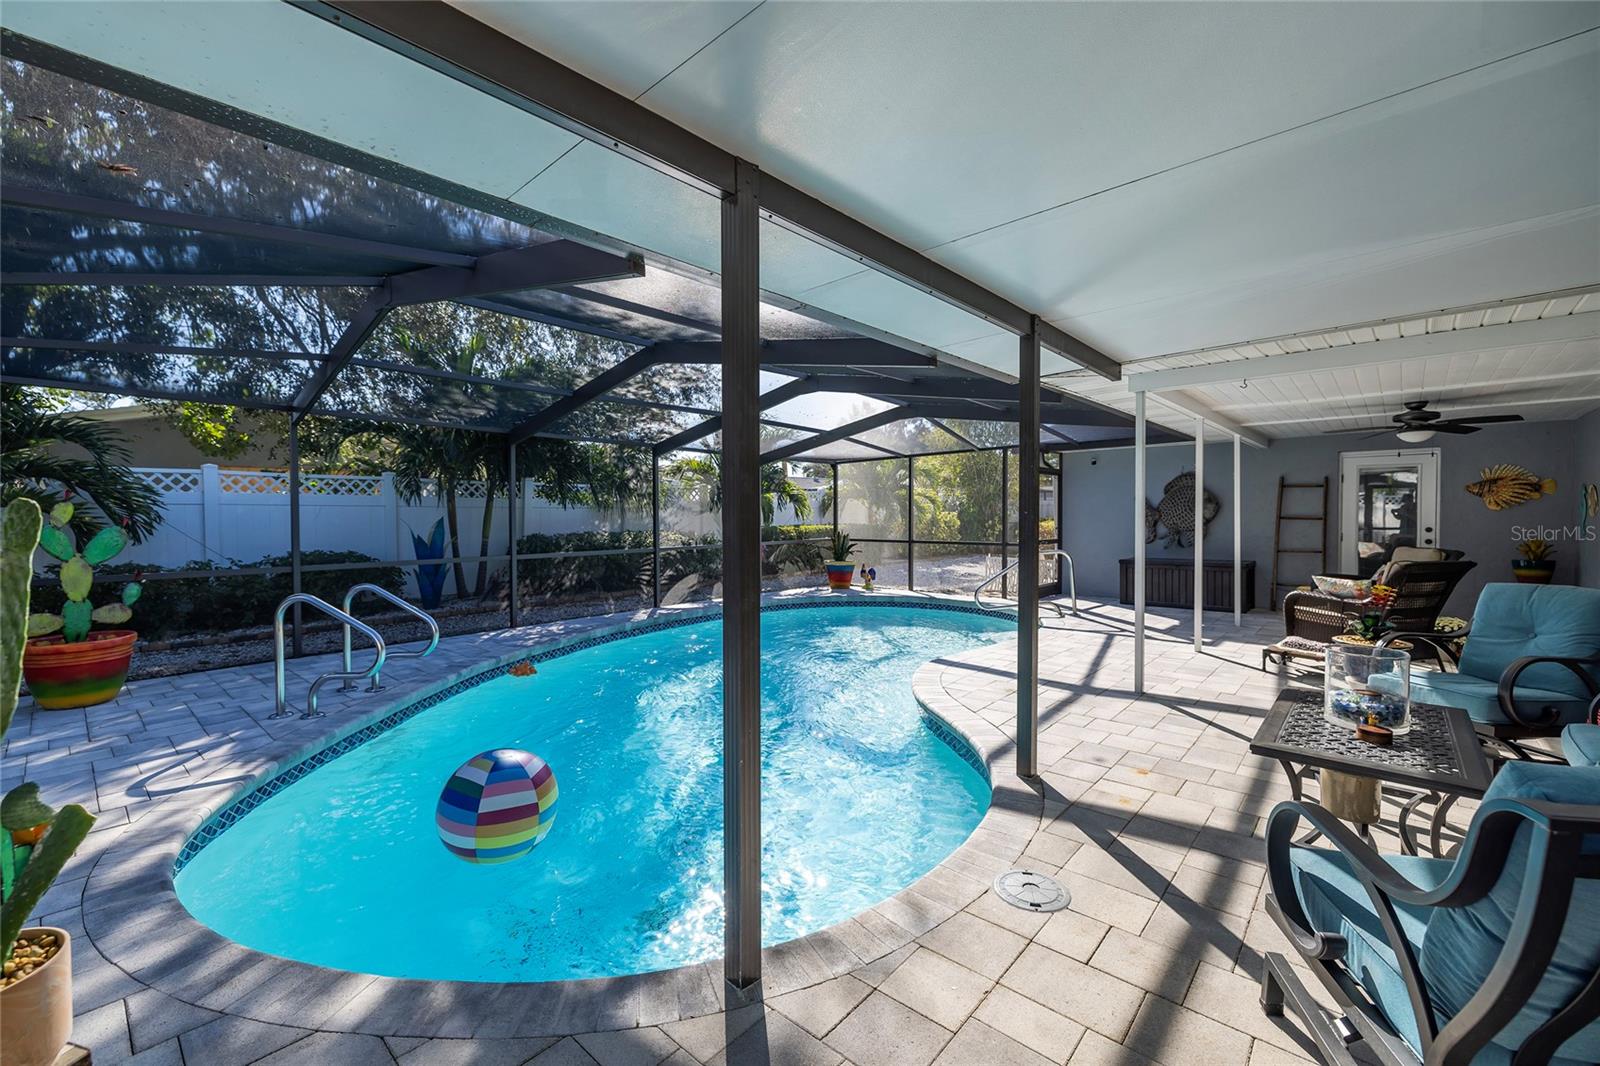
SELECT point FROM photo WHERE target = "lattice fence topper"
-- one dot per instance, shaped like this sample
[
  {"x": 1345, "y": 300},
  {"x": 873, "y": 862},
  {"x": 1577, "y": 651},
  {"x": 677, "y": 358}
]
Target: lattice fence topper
[
  {"x": 266, "y": 482},
  {"x": 253, "y": 482},
  {"x": 171, "y": 481},
  {"x": 1176, "y": 512},
  {"x": 465, "y": 490},
  {"x": 342, "y": 485}
]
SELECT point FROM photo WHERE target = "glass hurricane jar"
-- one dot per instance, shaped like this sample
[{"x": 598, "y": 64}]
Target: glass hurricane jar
[{"x": 1368, "y": 685}]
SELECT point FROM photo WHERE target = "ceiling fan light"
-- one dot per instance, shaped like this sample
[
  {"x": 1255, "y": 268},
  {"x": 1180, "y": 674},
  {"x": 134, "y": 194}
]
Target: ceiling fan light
[{"x": 1415, "y": 436}]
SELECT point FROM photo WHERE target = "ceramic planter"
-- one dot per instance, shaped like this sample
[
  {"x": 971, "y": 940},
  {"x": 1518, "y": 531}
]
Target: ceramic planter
[
  {"x": 62, "y": 676},
  {"x": 840, "y": 574},
  {"x": 38, "y": 1009},
  {"x": 1539, "y": 573}
]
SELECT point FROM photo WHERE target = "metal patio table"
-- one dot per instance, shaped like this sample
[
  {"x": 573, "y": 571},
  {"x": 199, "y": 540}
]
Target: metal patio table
[{"x": 1440, "y": 760}]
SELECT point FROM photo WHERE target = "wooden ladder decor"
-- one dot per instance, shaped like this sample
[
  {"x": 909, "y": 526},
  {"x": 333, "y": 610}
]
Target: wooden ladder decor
[{"x": 1279, "y": 551}]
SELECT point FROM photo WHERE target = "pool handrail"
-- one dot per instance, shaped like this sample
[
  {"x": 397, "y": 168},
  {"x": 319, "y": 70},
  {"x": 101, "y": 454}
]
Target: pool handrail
[
  {"x": 282, "y": 708},
  {"x": 376, "y": 685},
  {"x": 1072, "y": 585}
]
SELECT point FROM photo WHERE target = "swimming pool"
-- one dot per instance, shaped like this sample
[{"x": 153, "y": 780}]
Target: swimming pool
[{"x": 343, "y": 866}]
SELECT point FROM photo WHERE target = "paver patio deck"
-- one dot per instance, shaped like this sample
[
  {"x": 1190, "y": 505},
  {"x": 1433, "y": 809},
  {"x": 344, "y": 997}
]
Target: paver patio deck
[{"x": 1149, "y": 809}]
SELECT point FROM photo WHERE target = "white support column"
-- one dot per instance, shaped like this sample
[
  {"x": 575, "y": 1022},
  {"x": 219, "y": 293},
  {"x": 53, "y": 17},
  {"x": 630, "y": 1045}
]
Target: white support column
[
  {"x": 1238, "y": 564},
  {"x": 211, "y": 512},
  {"x": 1199, "y": 531},
  {"x": 1138, "y": 542}
]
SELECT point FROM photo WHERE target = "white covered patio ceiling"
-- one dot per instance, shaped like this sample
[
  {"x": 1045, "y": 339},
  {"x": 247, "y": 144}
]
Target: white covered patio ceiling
[
  {"x": 1151, "y": 177},
  {"x": 1536, "y": 357}
]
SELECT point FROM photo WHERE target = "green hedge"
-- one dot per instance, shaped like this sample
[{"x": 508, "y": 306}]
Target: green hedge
[
  {"x": 214, "y": 602},
  {"x": 574, "y": 574}
]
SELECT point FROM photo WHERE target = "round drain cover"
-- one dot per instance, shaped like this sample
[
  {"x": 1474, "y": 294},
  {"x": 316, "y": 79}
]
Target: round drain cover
[{"x": 1031, "y": 890}]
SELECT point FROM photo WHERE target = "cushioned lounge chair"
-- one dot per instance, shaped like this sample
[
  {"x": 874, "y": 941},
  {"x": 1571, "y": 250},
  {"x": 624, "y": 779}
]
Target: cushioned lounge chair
[
  {"x": 1531, "y": 664},
  {"x": 1489, "y": 958}
]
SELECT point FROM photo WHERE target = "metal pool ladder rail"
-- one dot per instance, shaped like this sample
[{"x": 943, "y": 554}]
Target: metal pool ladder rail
[
  {"x": 375, "y": 684},
  {"x": 1072, "y": 584},
  {"x": 282, "y": 710}
]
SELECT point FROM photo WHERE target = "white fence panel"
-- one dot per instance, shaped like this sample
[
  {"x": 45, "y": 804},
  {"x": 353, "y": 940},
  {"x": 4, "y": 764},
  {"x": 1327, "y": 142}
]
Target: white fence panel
[{"x": 224, "y": 515}]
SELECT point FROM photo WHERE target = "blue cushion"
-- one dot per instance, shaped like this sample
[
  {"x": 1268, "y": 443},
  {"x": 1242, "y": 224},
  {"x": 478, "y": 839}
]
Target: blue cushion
[
  {"x": 1514, "y": 621},
  {"x": 1581, "y": 744},
  {"x": 1480, "y": 697},
  {"x": 1335, "y": 902},
  {"x": 1461, "y": 944}
]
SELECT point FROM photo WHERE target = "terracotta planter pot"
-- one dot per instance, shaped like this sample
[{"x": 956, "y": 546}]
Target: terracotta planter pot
[
  {"x": 840, "y": 574},
  {"x": 38, "y": 1009},
  {"x": 1533, "y": 573},
  {"x": 63, "y": 676}
]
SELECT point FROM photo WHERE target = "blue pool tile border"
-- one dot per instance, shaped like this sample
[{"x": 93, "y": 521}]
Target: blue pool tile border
[{"x": 236, "y": 809}]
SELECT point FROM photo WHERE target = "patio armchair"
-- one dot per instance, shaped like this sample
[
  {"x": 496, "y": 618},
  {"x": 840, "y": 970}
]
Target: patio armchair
[
  {"x": 1490, "y": 957},
  {"x": 1580, "y": 742},
  {"x": 1421, "y": 591},
  {"x": 1530, "y": 666}
]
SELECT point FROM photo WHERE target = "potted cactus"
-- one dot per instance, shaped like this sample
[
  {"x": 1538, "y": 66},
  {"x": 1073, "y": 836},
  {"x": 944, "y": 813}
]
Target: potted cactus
[
  {"x": 841, "y": 571},
  {"x": 36, "y": 988},
  {"x": 1535, "y": 567},
  {"x": 79, "y": 668}
]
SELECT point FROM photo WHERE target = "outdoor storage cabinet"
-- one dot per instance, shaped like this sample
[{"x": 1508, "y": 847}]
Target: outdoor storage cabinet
[{"x": 1170, "y": 583}]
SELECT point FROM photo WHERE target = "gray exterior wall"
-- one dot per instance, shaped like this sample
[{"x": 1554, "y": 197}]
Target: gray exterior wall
[{"x": 1098, "y": 522}]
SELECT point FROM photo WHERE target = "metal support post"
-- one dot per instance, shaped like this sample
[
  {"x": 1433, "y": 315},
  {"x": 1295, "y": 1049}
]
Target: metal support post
[
  {"x": 1005, "y": 524},
  {"x": 911, "y": 523},
  {"x": 1139, "y": 505},
  {"x": 294, "y": 529},
  {"x": 513, "y": 528},
  {"x": 1028, "y": 556},
  {"x": 655, "y": 531},
  {"x": 1238, "y": 536},
  {"x": 741, "y": 582},
  {"x": 1199, "y": 532}
]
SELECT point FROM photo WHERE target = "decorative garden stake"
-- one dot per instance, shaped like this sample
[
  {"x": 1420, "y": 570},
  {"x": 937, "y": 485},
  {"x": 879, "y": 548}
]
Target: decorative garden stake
[
  {"x": 79, "y": 668},
  {"x": 36, "y": 989}
]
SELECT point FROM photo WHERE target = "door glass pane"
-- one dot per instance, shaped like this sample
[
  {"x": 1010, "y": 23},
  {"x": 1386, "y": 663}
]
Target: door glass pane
[{"x": 1386, "y": 514}]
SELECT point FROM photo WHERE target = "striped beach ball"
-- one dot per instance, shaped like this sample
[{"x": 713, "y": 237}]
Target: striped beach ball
[{"x": 497, "y": 806}]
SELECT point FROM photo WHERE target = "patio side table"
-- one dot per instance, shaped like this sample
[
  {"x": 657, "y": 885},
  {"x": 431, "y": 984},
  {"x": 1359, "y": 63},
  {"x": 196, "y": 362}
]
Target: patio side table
[{"x": 1438, "y": 761}]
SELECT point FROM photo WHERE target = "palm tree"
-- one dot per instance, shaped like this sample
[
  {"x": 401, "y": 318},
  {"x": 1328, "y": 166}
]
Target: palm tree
[
  {"x": 706, "y": 471},
  {"x": 31, "y": 433}
]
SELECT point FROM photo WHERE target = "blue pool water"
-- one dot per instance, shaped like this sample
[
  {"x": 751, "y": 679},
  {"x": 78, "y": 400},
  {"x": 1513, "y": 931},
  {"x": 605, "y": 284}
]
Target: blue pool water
[{"x": 859, "y": 798}]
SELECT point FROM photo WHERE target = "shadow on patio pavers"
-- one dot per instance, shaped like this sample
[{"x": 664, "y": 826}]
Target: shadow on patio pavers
[{"x": 1195, "y": 935}]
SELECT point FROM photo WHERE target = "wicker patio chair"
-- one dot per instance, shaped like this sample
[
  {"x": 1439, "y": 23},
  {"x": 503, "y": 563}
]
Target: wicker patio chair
[{"x": 1421, "y": 591}]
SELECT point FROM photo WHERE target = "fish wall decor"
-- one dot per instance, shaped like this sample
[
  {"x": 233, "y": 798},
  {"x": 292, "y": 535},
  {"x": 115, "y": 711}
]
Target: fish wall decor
[
  {"x": 1503, "y": 486},
  {"x": 1588, "y": 503},
  {"x": 1176, "y": 511}
]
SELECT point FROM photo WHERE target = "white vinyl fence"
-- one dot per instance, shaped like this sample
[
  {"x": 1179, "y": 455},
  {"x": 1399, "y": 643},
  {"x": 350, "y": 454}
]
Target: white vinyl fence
[{"x": 226, "y": 517}]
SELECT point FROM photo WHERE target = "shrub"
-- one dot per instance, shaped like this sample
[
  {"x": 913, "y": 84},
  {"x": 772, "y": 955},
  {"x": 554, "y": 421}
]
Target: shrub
[
  {"x": 626, "y": 569},
  {"x": 215, "y": 600}
]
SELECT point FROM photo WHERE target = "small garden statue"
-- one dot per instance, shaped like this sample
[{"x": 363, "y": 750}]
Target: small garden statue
[{"x": 868, "y": 576}]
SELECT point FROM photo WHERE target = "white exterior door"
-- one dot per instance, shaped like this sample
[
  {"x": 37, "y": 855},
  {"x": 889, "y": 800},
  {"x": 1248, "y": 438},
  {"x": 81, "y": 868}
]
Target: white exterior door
[{"x": 1387, "y": 500}]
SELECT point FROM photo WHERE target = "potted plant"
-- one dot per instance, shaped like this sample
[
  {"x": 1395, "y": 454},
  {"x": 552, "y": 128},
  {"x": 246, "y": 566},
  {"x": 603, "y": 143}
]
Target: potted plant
[
  {"x": 1536, "y": 567},
  {"x": 79, "y": 668},
  {"x": 36, "y": 988},
  {"x": 841, "y": 571}
]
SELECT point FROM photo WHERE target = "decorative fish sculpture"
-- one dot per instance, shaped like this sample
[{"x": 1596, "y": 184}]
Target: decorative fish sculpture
[
  {"x": 1505, "y": 486},
  {"x": 1176, "y": 510}
]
